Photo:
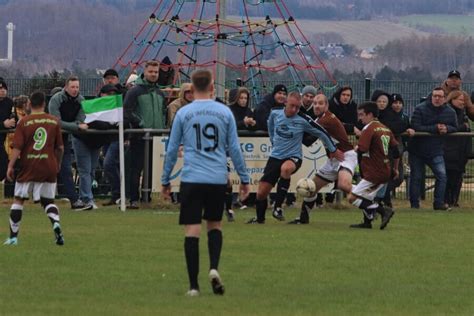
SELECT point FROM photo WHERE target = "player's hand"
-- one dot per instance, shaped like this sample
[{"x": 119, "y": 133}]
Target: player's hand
[
  {"x": 410, "y": 132},
  {"x": 10, "y": 174},
  {"x": 339, "y": 155},
  {"x": 442, "y": 129},
  {"x": 166, "y": 192},
  {"x": 395, "y": 174},
  {"x": 9, "y": 123},
  {"x": 83, "y": 126},
  {"x": 244, "y": 191}
]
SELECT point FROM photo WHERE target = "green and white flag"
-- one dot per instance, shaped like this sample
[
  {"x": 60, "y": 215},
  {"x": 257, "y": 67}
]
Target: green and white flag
[{"x": 107, "y": 109}]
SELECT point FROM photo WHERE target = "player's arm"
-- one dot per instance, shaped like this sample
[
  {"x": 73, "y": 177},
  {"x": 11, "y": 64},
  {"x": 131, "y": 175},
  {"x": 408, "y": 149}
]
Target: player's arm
[
  {"x": 171, "y": 156},
  {"x": 271, "y": 125},
  {"x": 237, "y": 159},
  {"x": 365, "y": 139},
  {"x": 318, "y": 131}
]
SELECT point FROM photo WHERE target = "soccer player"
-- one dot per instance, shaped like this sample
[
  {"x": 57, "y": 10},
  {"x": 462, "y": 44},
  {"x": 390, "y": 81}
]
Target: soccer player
[
  {"x": 332, "y": 170},
  {"x": 375, "y": 143},
  {"x": 207, "y": 131},
  {"x": 39, "y": 146},
  {"x": 286, "y": 128}
]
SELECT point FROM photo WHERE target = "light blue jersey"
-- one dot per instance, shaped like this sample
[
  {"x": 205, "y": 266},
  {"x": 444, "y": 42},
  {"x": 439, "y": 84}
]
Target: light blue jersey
[
  {"x": 286, "y": 134},
  {"x": 207, "y": 131}
]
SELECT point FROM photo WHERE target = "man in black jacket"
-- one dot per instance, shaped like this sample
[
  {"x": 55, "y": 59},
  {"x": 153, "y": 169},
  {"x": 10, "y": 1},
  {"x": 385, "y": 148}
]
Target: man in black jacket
[
  {"x": 7, "y": 122},
  {"x": 276, "y": 99},
  {"x": 343, "y": 106}
]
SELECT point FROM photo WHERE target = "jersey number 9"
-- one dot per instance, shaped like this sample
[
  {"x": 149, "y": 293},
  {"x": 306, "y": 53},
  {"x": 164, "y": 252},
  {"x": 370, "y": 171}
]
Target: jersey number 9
[{"x": 40, "y": 138}]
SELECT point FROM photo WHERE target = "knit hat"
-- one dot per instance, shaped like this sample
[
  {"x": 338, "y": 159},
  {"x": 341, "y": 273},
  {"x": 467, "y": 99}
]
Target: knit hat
[
  {"x": 279, "y": 88},
  {"x": 110, "y": 72},
  {"x": 3, "y": 84},
  {"x": 396, "y": 97},
  {"x": 309, "y": 89},
  {"x": 166, "y": 61}
]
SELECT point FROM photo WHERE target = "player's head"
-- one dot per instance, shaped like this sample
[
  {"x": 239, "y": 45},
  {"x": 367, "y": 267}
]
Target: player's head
[
  {"x": 72, "y": 86},
  {"x": 37, "y": 100},
  {"x": 367, "y": 112},
  {"x": 202, "y": 81},
  {"x": 293, "y": 104},
  {"x": 309, "y": 92},
  {"x": 320, "y": 104}
]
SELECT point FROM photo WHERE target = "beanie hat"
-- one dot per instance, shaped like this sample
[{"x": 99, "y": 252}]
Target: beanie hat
[
  {"x": 111, "y": 72},
  {"x": 454, "y": 73},
  {"x": 166, "y": 61},
  {"x": 309, "y": 89},
  {"x": 396, "y": 97},
  {"x": 3, "y": 84},
  {"x": 279, "y": 88}
]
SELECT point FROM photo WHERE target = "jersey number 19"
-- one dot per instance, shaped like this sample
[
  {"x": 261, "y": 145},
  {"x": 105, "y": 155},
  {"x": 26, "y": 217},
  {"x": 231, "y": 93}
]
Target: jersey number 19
[{"x": 211, "y": 132}]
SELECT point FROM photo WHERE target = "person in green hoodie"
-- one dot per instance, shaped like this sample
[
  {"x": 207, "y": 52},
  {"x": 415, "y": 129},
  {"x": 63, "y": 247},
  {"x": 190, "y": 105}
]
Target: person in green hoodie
[{"x": 144, "y": 107}]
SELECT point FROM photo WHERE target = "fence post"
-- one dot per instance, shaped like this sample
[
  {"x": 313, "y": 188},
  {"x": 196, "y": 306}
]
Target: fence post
[
  {"x": 367, "y": 89},
  {"x": 146, "y": 191}
]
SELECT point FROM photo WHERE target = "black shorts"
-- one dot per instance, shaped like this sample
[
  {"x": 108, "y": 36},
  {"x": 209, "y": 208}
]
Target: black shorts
[
  {"x": 196, "y": 197},
  {"x": 272, "y": 170}
]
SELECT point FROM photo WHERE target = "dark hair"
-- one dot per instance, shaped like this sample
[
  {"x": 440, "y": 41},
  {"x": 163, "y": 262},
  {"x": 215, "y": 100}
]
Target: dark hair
[
  {"x": 71, "y": 78},
  {"x": 201, "y": 79},
  {"x": 439, "y": 89},
  {"x": 369, "y": 107},
  {"x": 20, "y": 101},
  {"x": 37, "y": 99}
]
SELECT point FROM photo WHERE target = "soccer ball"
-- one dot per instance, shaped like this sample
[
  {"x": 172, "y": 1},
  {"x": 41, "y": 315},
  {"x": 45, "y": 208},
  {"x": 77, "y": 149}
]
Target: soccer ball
[{"x": 305, "y": 187}]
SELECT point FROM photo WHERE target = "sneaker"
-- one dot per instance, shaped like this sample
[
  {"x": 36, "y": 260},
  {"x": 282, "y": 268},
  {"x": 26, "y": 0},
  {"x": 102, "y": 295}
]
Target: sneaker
[
  {"x": 94, "y": 206},
  {"x": 58, "y": 234},
  {"x": 442, "y": 208},
  {"x": 386, "y": 216},
  {"x": 216, "y": 282},
  {"x": 11, "y": 241},
  {"x": 361, "y": 225},
  {"x": 192, "y": 293},
  {"x": 133, "y": 205},
  {"x": 80, "y": 206},
  {"x": 112, "y": 202},
  {"x": 278, "y": 214},
  {"x": 243, "y": 207},
  {"x": 230, "y": 215},
  {"x": 254, "y": 220},
  {"x": 298, "y": 221}
]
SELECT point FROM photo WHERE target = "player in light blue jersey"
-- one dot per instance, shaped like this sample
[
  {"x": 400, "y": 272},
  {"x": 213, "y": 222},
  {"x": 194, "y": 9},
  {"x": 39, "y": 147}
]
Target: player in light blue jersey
[
  {"x": 286, "y": 128},
  {"x": 207, "y": 131}
]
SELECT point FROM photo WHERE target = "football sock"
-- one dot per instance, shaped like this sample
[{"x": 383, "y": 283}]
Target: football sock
[
  {"x": 214, "y": 244},
  {"x": 282, "y": 190},
  {"x": 191, "y": 252},
  {"x": 261, "y": 207},
  {"x": 228, "y": 198},
  {"x": 52, "y": 212},
  {"x": 16, "y": 212},
  {"x": 306, "y": 206}
]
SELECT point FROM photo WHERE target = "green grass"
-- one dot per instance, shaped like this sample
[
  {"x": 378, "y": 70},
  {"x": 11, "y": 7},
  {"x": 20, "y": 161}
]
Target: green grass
[
  {"x": 451, "y": 24},
  {"x": 132, "y": 263}
]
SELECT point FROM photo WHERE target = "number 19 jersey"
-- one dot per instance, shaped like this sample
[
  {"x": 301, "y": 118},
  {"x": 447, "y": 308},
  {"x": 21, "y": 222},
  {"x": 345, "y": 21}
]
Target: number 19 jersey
[
  {"x": 37, "y": 136},
  {"x": 207, "y": 131}
]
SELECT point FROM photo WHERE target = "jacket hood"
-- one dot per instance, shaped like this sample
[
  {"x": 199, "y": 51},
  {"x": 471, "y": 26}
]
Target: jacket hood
[
  {"x": 234, "y": 96},
  {"x": 377, "y": 94},
  {"x": 337, "y": 95},
  {"x": 184, "y": 87}
]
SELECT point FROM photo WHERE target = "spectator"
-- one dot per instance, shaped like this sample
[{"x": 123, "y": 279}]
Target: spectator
[
  {"x": 166, "y": 76},
  {"x": 456, "y": 150},
  {"x": 185, "y": 96},
  {"x": 435, "y": 117},
  {"x": 308, "y": 93},
  {"x": 111, "y": 76},
  {"x": 131, "y": 81},
  {"x": 66, "y": 105},
  {"x": 270, "y": 101},
  {"x": 239, "y": 105},
  {"x": 343, "y": 106},
  {"x": 144, "y": 107},
  {"x": 8, "y": 122}
]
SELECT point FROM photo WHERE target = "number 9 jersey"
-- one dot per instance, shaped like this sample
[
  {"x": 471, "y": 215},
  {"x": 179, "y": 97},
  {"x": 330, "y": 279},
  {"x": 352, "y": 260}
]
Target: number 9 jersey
[{"x": 37, "y": 136}]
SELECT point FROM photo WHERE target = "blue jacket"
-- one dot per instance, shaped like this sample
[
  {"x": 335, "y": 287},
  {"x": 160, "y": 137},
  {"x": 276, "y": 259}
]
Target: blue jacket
[{"x": 425, "y": 119}]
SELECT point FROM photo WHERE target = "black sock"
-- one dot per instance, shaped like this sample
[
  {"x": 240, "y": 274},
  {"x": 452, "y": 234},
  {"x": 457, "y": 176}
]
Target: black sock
[
  {"x": 319, "y": 199},
  {"x": 214, "y": 244},
  {"x": 52, "y": 212},
  {"x": 228, "y": 198},
  {"x": 16, "y": 212},
  {"x": 261, "y": 206},
  {"x": 282, "y": 190},
  {"x": 191, "y": 251}
]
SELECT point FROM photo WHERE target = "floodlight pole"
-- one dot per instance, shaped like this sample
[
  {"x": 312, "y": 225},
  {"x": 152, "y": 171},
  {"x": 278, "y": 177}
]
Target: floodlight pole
[{"x": 221, "y": 56}]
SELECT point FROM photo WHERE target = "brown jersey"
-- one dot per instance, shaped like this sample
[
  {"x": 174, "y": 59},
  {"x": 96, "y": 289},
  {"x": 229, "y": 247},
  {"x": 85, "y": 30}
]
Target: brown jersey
[
  {"x": 374, "y": 143},
  {"x": 37, "y": 136},
  {"x": 336, "y": 130}
]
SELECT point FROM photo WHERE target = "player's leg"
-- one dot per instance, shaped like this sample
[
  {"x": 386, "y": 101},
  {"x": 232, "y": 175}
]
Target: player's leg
[
  {"x": 16, "y": 212},
  {"x": 190, "y": 216},
  {"x": 287, "y": 168},
  {"x": 213, "y": 209},
  {"x": 309, "y": 202},
  {"x": 52, "y": 211}
]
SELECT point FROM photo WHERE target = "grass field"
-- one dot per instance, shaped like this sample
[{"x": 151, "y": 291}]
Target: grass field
[
  {"x": 132, "y": 263},
  {"x": 451, "y": 24}
]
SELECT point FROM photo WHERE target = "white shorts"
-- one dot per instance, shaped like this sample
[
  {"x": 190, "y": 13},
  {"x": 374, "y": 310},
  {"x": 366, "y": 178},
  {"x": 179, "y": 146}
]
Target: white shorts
[
  {"x": 330, "y": 169},
  {"x": 39, "y": 190},
  {"x": 366, "y": 189}
]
